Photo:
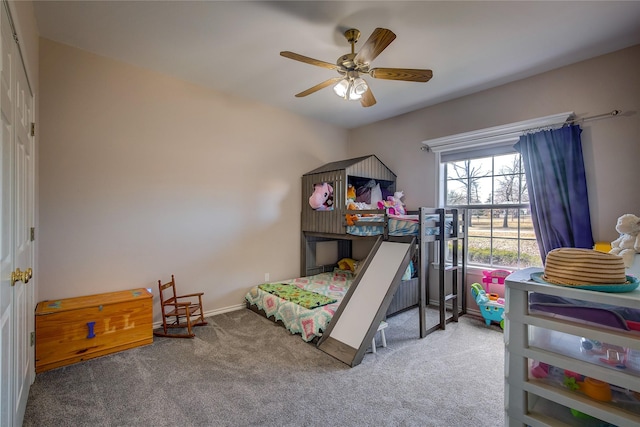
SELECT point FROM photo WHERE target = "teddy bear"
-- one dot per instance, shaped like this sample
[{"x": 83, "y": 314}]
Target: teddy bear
[
  {"x": 628, "y": 244},
  {"x": 322, "y": 197}
]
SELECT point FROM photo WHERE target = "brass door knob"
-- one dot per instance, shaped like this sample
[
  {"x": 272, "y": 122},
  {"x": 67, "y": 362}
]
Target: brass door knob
[{"x": 22, "y": 276}]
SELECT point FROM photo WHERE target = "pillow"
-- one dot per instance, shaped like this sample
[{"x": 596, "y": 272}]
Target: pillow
[{"x": 376, "y": 196}]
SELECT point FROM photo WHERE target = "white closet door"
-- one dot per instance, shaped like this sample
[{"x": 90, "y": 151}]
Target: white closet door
[
  {"x": 7, "y": 407},
  {"x": 17, "y": 218},
  {"x": 23, "y": 306}
]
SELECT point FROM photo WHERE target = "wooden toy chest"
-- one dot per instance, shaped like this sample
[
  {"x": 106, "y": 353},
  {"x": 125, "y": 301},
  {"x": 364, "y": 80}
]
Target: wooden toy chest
[{"x": 76, "y": 329}]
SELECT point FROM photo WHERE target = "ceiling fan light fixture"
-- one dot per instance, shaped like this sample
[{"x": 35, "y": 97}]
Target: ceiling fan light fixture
[
  {"x": 342, "y": 88},
  {"x": 359, "y": 87},
  {"x": 351, "y": 88},
  {"x": 353, "y": 94}
]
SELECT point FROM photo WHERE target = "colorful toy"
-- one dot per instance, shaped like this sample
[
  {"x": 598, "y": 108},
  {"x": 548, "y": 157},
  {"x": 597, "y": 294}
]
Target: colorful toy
[
  {"x": 591, "y": 387},
  {"x": 351, "y": 193},
  {"x": 496, "y": 277},
  {"x": 393, "y": 204},
  {"x": 348, "y": 264},
  {"x": 322, "y": 197},
  {"x": 351, "y": 218},
  {"x": 397, "y": 197},
  {"x": 492, "y": 310}
]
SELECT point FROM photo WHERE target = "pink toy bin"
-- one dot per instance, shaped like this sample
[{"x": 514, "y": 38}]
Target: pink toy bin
[{"x": 493, "y": 277}]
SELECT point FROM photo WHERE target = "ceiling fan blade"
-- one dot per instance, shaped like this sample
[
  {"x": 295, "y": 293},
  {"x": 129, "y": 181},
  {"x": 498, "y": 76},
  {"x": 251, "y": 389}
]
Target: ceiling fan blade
[
  {"x": 319, "y": 86},
  {"x": 368, "y": 99},
  {"x": 308, "y": 60},
  {"x": 377, "y": 42},
  {"x": 406, "y": 74}
]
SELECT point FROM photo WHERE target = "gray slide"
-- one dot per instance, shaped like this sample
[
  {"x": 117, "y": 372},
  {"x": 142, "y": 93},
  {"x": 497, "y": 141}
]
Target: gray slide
[{"x": 356, "y": 321}]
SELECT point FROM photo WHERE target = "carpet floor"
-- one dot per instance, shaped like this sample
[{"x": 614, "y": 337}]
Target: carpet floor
[{"x": 244, "y": 370}]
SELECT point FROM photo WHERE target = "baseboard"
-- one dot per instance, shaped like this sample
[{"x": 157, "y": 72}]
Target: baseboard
[{"x": 210, "y": 313}]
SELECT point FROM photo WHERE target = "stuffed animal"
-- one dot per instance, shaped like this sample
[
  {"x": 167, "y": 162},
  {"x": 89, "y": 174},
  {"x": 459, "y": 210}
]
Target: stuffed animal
[
  {"x": 351, "y": 193},
  {"x": 348, "y": 264},
  {"x": 397, "y": 196},
  {"x": 351, "y": 218},
  {"x": 393, "y": 204},
  {"x": 322, "y": 197},
  {"x": 628, "y": 244}
]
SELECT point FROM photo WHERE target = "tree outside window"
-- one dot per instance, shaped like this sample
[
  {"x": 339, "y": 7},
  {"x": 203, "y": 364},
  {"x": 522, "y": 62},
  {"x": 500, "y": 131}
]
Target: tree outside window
[{"x": 493, "y": 189}]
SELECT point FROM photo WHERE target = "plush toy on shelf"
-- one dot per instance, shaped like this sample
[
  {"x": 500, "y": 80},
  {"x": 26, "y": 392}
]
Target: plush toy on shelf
[
  {"x": 397, "y": 197},
  {"x": 351, "y": 193},
  {"x": 351, "y": 218},
  {"x": 628, "y": 244},
  {"x": 322, "y": 197},
  {"x": 393, "y": 204}
]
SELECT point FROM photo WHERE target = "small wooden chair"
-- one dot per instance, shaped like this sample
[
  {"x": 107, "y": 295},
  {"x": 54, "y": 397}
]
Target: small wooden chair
[{"x": 179, "y": 314}]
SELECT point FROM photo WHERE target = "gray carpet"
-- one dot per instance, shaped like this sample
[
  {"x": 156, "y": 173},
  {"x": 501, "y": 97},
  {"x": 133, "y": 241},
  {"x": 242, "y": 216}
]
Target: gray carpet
[{"x": 244, "y": 370}]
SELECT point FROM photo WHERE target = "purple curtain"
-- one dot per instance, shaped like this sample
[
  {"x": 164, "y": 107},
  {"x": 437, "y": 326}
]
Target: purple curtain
[{"x": 557, "y": 187}]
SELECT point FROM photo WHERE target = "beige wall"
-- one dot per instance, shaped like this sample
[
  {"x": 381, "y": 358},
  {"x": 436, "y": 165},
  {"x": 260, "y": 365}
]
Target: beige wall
[
  {"x": 143, "y": 176},
  {"x": 611, "y": 147}
]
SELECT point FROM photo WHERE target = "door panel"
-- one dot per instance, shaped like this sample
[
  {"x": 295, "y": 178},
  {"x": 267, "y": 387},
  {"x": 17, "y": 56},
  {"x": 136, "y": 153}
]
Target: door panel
[
  {"x": 6, "y": 210},
  {"x": 17, "y": 217},
  {"x": 23, "y": 254}
]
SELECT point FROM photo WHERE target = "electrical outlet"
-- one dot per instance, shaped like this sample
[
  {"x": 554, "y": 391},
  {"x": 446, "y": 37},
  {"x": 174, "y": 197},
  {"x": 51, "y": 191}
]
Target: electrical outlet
[{"x": 266, "y": 277}]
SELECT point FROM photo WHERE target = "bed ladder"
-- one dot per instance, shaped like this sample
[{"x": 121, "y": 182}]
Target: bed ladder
[{"x": 457, "y": 297}]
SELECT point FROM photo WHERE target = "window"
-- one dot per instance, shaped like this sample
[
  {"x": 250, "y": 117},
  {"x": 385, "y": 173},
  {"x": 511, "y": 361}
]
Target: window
[
  {"x": 493, "y": 189},
  {"x": 481, "y": 171}
]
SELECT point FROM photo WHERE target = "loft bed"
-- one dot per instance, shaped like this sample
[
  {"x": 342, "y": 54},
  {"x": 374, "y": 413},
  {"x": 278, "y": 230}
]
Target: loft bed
[
  {"x": 331, "y": 225},
  {"x": 426, "y": 225}
]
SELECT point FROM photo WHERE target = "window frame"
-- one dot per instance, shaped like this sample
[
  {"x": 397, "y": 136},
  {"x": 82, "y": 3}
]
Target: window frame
[
  {"x": 482, "y": 141},
  {"x": 492, "y": 206}
]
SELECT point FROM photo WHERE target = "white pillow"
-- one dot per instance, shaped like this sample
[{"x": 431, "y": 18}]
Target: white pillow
[{"x": 376, "y": 196}]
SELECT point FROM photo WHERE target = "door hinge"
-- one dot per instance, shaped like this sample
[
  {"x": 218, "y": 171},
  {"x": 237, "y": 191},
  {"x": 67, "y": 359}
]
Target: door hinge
[
  {"x": 32, "y": 233},
  {"x": 33, "y": 129},
  {"x": 32, "y": 338}
]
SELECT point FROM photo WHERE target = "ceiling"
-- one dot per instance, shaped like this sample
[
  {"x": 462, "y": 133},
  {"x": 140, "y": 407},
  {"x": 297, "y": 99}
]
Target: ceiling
[{"x": 233, "y": 46}]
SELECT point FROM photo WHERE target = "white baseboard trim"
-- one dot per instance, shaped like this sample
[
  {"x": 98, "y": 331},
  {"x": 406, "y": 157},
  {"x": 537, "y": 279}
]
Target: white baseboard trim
[{"x": 210, "y": 313}]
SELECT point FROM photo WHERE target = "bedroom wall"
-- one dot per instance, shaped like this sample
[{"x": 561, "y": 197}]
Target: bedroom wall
[
  {"x": 143, "y": 176},
  {"x": 611, "y": 146}
]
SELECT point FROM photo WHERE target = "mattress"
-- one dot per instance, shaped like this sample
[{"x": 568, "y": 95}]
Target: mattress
[
  {"x": 309, "y": 323},
  {"x": 399, "y": 225}
]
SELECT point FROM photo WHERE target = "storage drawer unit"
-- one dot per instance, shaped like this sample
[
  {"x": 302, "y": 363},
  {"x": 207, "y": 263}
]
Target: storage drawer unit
[
  {"x": 76, "y": 329},
  {"x": 532, "y": 336}
]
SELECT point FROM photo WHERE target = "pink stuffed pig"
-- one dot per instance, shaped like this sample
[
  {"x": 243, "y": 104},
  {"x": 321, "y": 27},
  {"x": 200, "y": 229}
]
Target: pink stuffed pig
[{"x": 322, "y": 197}]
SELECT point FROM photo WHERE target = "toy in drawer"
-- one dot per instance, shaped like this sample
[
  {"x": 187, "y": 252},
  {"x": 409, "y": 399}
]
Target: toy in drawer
[{"x": 76, "y": 329}]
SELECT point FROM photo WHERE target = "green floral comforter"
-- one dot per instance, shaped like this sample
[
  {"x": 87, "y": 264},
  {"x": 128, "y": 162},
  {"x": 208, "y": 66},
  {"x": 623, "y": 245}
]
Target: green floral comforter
[{"x": 308, "y": 322}]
